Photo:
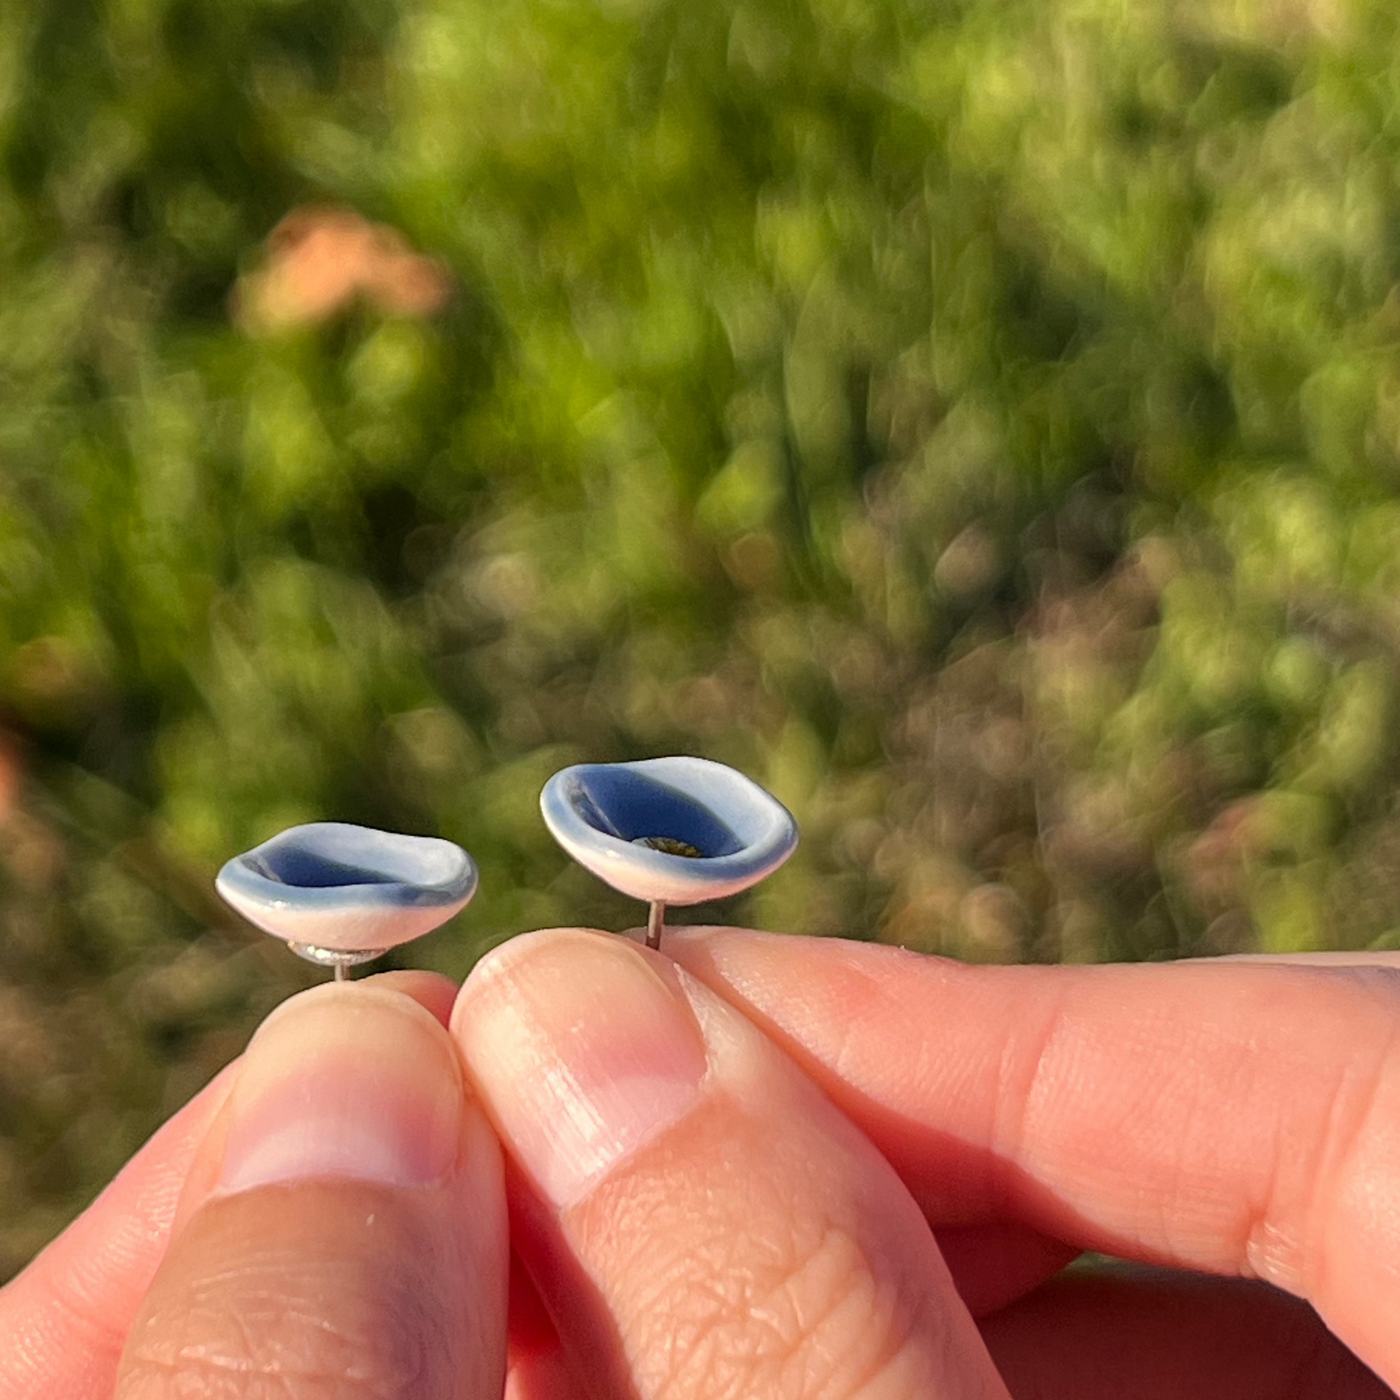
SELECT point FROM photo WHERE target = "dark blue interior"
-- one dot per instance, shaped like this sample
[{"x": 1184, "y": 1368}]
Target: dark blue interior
[
  {"x": 290, "y": 865},
  {"x": 625, "y": 804}
]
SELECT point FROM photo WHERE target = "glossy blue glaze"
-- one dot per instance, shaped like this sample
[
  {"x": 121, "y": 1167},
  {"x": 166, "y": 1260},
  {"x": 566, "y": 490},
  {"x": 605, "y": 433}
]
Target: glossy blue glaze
[
  {"x": 343, "y": 890},
  {"x": 604, "y": 813}
]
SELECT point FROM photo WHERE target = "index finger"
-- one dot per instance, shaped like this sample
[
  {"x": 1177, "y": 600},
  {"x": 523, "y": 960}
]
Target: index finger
[{"x": 1240, "y": 1118}]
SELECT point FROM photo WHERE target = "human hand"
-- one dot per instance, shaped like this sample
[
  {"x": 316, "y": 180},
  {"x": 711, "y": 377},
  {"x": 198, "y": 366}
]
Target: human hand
[
  {"x": 703, "y": 1224},
  {"x": 1239, "y": 1118},
  {"x": 749, "y": 1242},
  {"x": 325, "y": 1219},
  {"x": 322, "y": 1241}
]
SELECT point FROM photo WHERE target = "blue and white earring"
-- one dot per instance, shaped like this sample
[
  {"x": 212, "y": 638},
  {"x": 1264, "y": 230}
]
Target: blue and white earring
[
  {"x": 668, "y": 830},
  {"x": 340, "y": 895}
]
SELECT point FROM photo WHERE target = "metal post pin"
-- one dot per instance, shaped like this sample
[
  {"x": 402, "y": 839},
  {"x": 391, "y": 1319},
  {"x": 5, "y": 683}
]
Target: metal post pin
[{"x": 656, "y": 923}]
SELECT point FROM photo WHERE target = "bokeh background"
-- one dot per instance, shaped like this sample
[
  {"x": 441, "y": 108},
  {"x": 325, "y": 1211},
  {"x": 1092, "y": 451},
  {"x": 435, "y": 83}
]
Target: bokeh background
[{"x": 978, "y": 420}]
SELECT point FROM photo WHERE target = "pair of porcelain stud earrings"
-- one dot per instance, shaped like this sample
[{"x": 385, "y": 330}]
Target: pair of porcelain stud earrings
[{"x": 664, "y": 830}]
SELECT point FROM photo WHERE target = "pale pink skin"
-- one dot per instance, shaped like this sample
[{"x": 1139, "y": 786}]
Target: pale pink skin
[{"x": 1235, "y": 1118}]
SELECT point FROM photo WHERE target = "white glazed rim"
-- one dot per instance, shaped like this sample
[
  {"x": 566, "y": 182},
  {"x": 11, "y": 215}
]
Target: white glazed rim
[
  {"x": 453, "y": 881},
  {"x": 769, "y": 832}
]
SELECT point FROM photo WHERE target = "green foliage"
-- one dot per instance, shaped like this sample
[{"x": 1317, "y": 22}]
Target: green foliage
[{"x": 976, "y": 419}]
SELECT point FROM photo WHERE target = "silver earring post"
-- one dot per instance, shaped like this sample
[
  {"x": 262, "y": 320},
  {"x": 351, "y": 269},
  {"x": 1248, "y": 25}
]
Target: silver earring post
[{"x": 656, "y": 921}]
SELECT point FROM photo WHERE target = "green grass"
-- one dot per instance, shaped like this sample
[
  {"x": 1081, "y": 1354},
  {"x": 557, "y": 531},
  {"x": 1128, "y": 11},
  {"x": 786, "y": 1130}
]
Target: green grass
[{"x": 979, "y": 422}]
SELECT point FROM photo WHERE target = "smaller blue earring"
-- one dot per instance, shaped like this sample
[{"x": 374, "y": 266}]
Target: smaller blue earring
[
  {"x": 668, "y": 830},
  {"x": 340, "y": 895}
]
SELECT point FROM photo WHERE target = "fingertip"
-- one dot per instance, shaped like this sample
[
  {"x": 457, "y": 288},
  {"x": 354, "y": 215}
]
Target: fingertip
[
  {"x": 504, "y": 958},
  {"x": 583, "y": 1047},
  {"x": 345, "y": 1216},
  {"x": 345, "y": 1079},
  {"x": 431, "y": 990}
]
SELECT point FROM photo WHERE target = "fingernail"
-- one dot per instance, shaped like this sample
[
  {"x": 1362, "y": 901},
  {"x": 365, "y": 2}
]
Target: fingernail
[
  {"x": 347, "y": 1081},
  {"x": 582, "y": 1050}
]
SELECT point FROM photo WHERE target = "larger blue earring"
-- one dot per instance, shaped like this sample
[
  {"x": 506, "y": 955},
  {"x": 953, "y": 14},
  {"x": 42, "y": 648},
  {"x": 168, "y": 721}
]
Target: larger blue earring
[
  {"x": 668, "y": 830},
  {"x": 339, "y": 895}
]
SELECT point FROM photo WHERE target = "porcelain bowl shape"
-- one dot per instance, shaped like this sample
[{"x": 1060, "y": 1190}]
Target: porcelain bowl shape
[
  {"x": 348, "y": 889},
  {"x": 718, "y": 831}
]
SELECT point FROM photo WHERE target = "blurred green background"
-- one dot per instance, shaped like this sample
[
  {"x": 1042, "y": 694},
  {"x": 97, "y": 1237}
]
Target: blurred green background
[{"x": 978, "y": 420}]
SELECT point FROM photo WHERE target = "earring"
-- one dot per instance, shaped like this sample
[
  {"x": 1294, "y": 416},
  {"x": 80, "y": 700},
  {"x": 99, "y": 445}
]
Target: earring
[
  {"x": 668, "y": 830},
  {"x": 340, "y": 895}
]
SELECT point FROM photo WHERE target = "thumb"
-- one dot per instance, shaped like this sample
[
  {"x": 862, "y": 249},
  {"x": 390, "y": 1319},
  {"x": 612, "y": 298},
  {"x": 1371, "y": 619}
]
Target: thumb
[{"x": 342, "y": 1232}]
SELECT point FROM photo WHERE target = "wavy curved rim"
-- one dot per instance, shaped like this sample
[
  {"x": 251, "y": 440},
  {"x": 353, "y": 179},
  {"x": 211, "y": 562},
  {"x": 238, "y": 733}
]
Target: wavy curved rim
[
  {"x": 330, "y": 843},
  {"x": 768, "y": 838}
]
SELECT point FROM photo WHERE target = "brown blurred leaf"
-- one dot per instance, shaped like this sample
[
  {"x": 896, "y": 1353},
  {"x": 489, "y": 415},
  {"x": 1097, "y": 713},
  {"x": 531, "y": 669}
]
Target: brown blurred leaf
[{"x": 321, "y": 258}]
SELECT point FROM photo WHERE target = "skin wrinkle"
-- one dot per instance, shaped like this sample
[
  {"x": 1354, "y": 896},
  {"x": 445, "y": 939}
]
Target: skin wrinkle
[
  {"x": 724, "y": 1303},
  {"x": 790, "y": 1301},
  {"x": 1276, "y": 1155},
  {"x": 1259, "y": 1253},
  {"x": 211, "y": 1383},
  {"x": 688, "y": 1285},
  {"x": 28, "y": 1367},
  {"x": 222, "y": 1367},
  {"x": 1194, "y": 1137},
  {"x": 1048, "y": 1073},
  {"x": 275, "y": 1307},
  {"x": 1022, "y": 1070},
  {"x": 1344, "y": 1146},
  {"x": 1259, "y": 1202},
  {"x": 802, "y": 1339},
  {"x": 894, "y": 1327},
  {"x": 856, "y": 985},
  {"x": 689, "y": 1328},
  {"x": 363, "y": 1326},
  {"x": 846, "y": 1057},
  {"x": 80, "y": 1315},
  {"x": 1170, "y": 1214},
  {"x": 827, "y": 1296},
  {"x": 1269, "y": 1251},
  {"x": 212, "y": 1376},
  {"x": 803, "y": 1367},
  {"x": 272, "y": 1310}
]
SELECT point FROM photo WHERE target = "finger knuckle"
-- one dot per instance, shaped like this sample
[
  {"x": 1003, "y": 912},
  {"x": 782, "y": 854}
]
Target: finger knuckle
[
  {"x": 279, "y": 1320},
  {"x": 794, "y": 1314},
  {"x": 747, "y": 1263},
  {"x": 257, "y": 1336},
  {"x": 1326, "y": 1148}
]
